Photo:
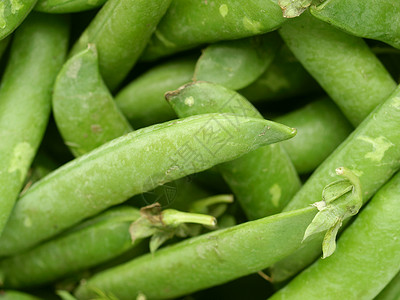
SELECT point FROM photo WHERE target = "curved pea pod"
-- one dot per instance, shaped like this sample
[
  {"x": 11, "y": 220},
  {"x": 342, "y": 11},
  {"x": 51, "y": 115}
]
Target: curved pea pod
[
  {"x": 84, "y": 110},
  {"x": 321, "y": 127},
  {"x": 342, "y": 64},
  {"x": 89, "y": 244},
  {"x": 372, "y": 152},
  {"x": 12, "y": 13},
  {"x": 236, "y": 64},
  {"x": 391, "y": 291},
  {"x": 132, "y": 164},
  {"x": 369, "y": 19},
  {"x": 142, "y": 101},
  {"x": 208, "y": 260},
  {"x": 67, "y": 6},
  {"x": 37, "y": 53},
  {"x": 16, "y": 295},
  {"x": 120, "y": 32},
  {"x": 368, "y": 247},
  {"x": 189, "y": 23},
  {"x": 264, "y": 180},
  {"x": 284, "y": 78}
]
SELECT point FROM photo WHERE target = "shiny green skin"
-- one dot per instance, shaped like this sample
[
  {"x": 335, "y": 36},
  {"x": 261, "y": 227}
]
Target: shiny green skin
[
  {"x": 342, "y": 64},
  {"x": 83, "y": 108},
  {"x": 208, "y": 260},
  {"x": 372, "y": 152},
  {"x": 189, "y": 23},
  {"x": 391, "y": 291},
  {"x": 67, "y": 6},
  {"x": 321, "y": 127},
  {"x": 142, "y": 101},
  {"x": 285, "y": 78},
  {"x": 12, "y": 13},
  {"x": 366, "y": 259},
  {"x": 101, "y": 239},
  {"x": 132, "y": 164},
  {"x": 263, "y": 181},
  {"x": 120, "y": 32},
  {"x": 236, "y": 64},
  {"x": 15, "y": 295},
  {"x": 37, "y": 53},
  {"x": 371, "y": 19}
]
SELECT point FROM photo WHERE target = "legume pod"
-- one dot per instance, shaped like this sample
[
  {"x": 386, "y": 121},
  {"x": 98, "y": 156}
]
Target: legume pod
[
  {"x": 37, "y": 53},
  {"x": 100, "y": 239},
  {"x": 369, "y": 19},
  {"x": 189, "y": 23},
  {"x": 142, "y": 101},
  {"x": 208, "y": 260},
  {"x": 342, "y": 64},
  {"x": 391, "y": 291},
  {"x": 132, "y": 164},
  {"x": 372, "y": 152},
  {"x": 12, "y": 13},
  {"x": 15, "y": 295},
  {"x": 263, "y": 181},
  {"x": 321, "y": 127},
  {"x": 236, "y": 64},
  {"x": 366, "y": 259},
  {"x": 120, "y": 32},
  {"x": 83, "y": 108},
  {"x": 66, "y": 6}
]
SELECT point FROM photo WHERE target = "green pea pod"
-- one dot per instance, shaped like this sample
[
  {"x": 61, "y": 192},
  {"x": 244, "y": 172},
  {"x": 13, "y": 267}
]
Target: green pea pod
[
  {"x": 264, "y": 180},
  {"x": 120, "y": 32},
  {"x": 391, "y": 291},
  {"x": 208, "y": 260},
  {"x": 369, "y": 19},
  {"x": 372, "y": 152},
  {"x": 132, "y": 164},
  {"x": 102, "y": 238},
  {"x": 84, "y": 109},
  {"x": 3, "y": 45},
  {"x": 37, "y": 53},
  {"x": 12, "y": 13},
  {"x": 189, "y": 23},
  {"x": 342, "y": 64},
  {"x": 142, "y": 101},
  {"x": 284, "y": 78},
  {"x": 67, "y": 6},
  {"x": 367, "y": 247},
  {"x": 236, "y": 64},
  {"x": 15, "y": 295},
  {"x": 321, "y": 127}
]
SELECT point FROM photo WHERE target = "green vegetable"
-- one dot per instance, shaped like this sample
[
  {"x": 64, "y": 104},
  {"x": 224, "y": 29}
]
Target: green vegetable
[
  {"x": 391, "y": 291},
  {"x": 15, "y": 295},
  {"x": 342, "y": 64},
  {"x": 67, "y": 6},
  {"x": 130, "y": 165},
  {"x": 120, "y": 32},
  {"x": 372, "y": 152},
  {"x": 236, "y": 64},
  {"x": 204, "y": 261},
  {"x": 142, "y": 101},
  {"x": 84, "y": 109},
  {"x": 367, "y": 248},
  {"x": 263, "y": 181},
  {"x": 37, "y": 53},
  {"x": 3, "y": 45},
  {"x": 285, "y": 78},
  {"x": 12, "y": 13},
  {"x": 369, "y": 19},
  {"x": 189, "y": 23},
  {"x": 321, "y": 127}
]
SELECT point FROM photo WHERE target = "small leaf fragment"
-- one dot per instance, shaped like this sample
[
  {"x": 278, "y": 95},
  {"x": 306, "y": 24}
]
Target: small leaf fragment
[{"x": 293, "y": 8}]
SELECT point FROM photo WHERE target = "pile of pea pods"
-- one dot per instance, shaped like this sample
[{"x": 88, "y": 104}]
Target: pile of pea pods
[{"x": 200, "y": 149}]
